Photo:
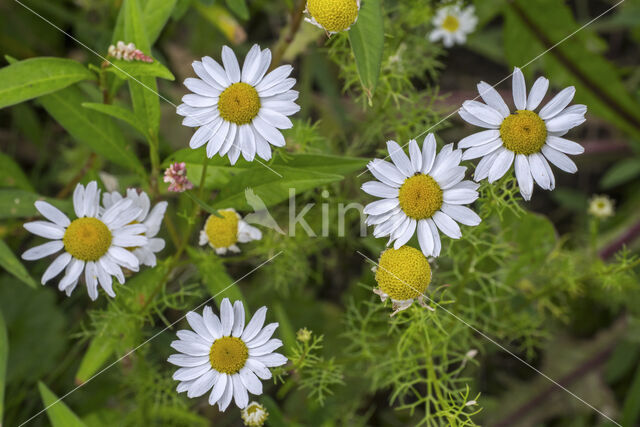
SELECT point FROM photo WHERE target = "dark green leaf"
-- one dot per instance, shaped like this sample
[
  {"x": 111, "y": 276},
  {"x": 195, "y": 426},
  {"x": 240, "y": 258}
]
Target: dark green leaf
[
  {"x": 156, "y": 15},
  {"x": 91, "y": 128},
  {"x": 58, "y": 412},
  {"x": 35, "y": 77},
  {"x": 20, "y": 204},
  {"x": 99, "y": 351},
  {"x": 621, "y": 173},
  {"x": 11, "y": 174},
  {"x": 4, "y": 357},
  {"x": 127, "y": 69},
  {"x": 367, "y": 43},
  {"x": 120, "y": 113},
  {"x": 239, "y": 7},
  {"x": 12, "y": 264}
]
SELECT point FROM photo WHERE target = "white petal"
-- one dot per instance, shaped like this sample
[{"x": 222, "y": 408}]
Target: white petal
[
  {"x": 269, "y": 347},
  {"x": 238, "y": 319},
  {"x": 523, "y": 175},
  {"x": 43, "y": 250},
  {"x": 479, "y": 138},
  {"x": 74, "y": 269},
  {"x": 124, "y": 258},
  {"x": 201, "y": 88},
  {"x": 274, "y": 77},
  {"x": 78, "y": 200},
  {"x": 263, "y": 336},
  {"x": 52, "y": 213},
  {"x": 226, "y": 317},
  {"x": 437, "y": 245},
  {"x": 380, "y": 206},
  {"x": 428, "y": 153},
  {"x": 484, "y": 166},
  {"x": 203, "y": 384},
  {"x": 218, "y": 389},
  {"x": 250, "y": 381},
  {"x": 259, "y": 369},
  {"x": 56, "y": 267},
  {"x": 255, "y": 324},
  {"x": 538, "y": 170},
  {"x": 378, "y": 189},
  {"x": 459, "y": 196},
  {"x": 400, "y": 159},
  {"x": 231, "y": 65},
  {"x": 537, "y": 93},
  {"x": 415, "y": 155},
  {"x": 406, "y": 234},
  {"x": 240, "y": 395},
  {"x": 201, "y": 71},
  {"x": 188, "y": 361},
  {"x": 425, "y": 239},
  {"x": 191, "y": 373},
  {"x": 519, "y": 89},
  {"x": 461, "y": 214},
  {"x": 493, "y": 98},
  {"x": 447, "y": 225},
  {"x": 197, "y": 323},
  {"x": 470, "y": 118},
  {"x": 386, "y": 172},
  {"x": 247, "y": 142},
  {"x": 251, "y": 64},
  {"x": 564, "y": 145},
  {"x": 559, "y": 159},
  {"x": 547, "y": 167},
  {"x": 501, "y": 165},
  {"x": 191, "y": 348},
  {"x": 564, "y": 122},
  {"x": 482, "y": 150},
  {"x": 557, "y": 103},
  {"x": 275, "y": 118},
  {"x": 212, "y": 323},
  {"x": 272, "y": 360},
  {"x": 227, "y": 395},
  {"x": 483, "y": 112},
  {"x": 278, "y": 88},
  {"x": 269, "y": 132},
  {"x": 45, "y": 229},
  {"x": 195, "y": 100},
  {"x": 202, "y": 135},
  {"x": 216, "y": 71}
]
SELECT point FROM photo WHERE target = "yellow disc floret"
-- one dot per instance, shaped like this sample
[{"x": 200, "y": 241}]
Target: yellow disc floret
[
  {"x": 87, "y": 239},
  {"x": 420, "y": 196},
  {"x": 222, "y": 232},
  {"x": 254, "y": 415},
  {"x": 239, "y": 103},
  {"x": 523, "y": 132},
  {"x": 228, "y": 355},
  {"x": 333, "y": 15},
  {"x": 451, "y": 23},
  {"x": 403, "y": 273}
]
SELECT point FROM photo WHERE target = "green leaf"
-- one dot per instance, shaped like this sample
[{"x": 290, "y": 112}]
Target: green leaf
[
  {"x": 621, "y": 173},
  {"x": 117, "y": 112},
  {"x": 630, "y": 408},
  {"x": 239, "y": 7},
  {"x": 215, "y": 277},
  {"x": 58, "y": 412},
  {"x": 12, "y": 264},
  {"x": 4, "y": 357},
  {"x": 35, "y": 77},
  {"x": 156, "y": 14},
  {"x": 367, "y": 43},
  {"x": 20, "y": 204},
  {"x": 271, "y": 187},
  {"x": 531, "y": 27},
  {"x": 11, "y": 174},
  {"x": 127, "y": 69},
  {"x": 144, "y": 91},
  {"x": 91, "y": 128},
  {"x": 202, "y": 204},
  {"x": 100, "y": 350}
]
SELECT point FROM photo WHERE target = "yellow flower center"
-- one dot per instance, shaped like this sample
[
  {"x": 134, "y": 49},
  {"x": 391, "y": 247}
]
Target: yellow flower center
[
  {"x": 222, "y": 232},
  {"x": 420, "y": 196},
  {"x": 228, "y": 355},
  {"x": 87, "y": 239},
  {"x": 451, "y": 23},
  {"x": 239, "y": 103},
  {"x": 403, "y": 273},
  {"x": 254, "y": 415},
  {"x": 333, "y": 15},
  {"x": 523, "y": 132}
]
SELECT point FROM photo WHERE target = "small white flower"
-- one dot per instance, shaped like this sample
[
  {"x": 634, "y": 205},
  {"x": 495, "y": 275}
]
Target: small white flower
[
  {"x": 333, "y": 16},
  {"x": 225, "y": 355},
  {"x": 530, "y": 138},
  {"x": 423, "y": 192},
  {"x": 452, "y": 24},
  {"x": 254, "y": 415},
  {"x": 95, "y": 242},
  {"x": 151, "y": 219},
  {"x": 223, "y": 233},
  {"x": 601, "y": 206},
  {"x": 239, "y": 111}
]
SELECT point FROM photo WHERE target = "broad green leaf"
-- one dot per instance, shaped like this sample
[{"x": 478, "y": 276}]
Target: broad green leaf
[
  {"x": 223, "y": 20},
  {"x": 531, "y": 27},
  {"x": 156, "y": 14},
  {"x": 621, "y": 173},
  {"x": 239, "y": 7},
  {"x": 214, "y": 276},
  {"x": 144, "y": 91},
  {"x": 58, "y": 412},
  {"x": 622, "y": 362},
  {"x": 285, "y": 330},
  {"x": 11, "y": 174},
  {"x": 117, "y": 112},
  {"x": 367, "y": 43},
  {"x": 4, "y": 357},
  {"x": 12, "y": 264},
  {"x": 271, "y": 187},
  {"x": 20, "y": 204},
  {"x": 35, "y": 77},
  {"x": 127, "y": 69},
  {"x": 100, "y": 350},
  {"x": 91, "y": 128}
]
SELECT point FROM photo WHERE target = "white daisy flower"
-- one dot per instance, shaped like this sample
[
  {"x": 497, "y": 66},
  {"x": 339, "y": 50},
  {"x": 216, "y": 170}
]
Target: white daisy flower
[
  {"x": 423, "y": 192},
  {"x": 95, "y": 242},
  {"x": 601, "y": 206},
  {"x": 239, "y": 111},
  {"x": 452, "y": 24},
  {"x": 151, "y": 219},
  {"x": 254, "y": 415},
  {"x": 223, "y": 233},
  {"x": 225, "y": 355},
  {"x": 530, "y": 138},
  {"x": 333, "y": 16}
]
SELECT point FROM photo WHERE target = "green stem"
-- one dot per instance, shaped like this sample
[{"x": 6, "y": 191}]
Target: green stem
[
  {"x": 284, "y": 42},
  {"x": 155, "y": 163}
]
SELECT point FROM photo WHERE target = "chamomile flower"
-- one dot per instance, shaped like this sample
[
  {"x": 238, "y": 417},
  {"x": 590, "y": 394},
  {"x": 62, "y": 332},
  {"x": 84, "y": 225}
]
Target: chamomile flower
[
  {"x": 254, "y": 415},
  {"x": 423, "y": 193},
  {"x": 95, "y": 242},
  {"x": 531, "y": 139},
  {"x": 403, "y": 275},
  {"x": 333, "y": 16},
  {"x": 223, "y": 354},
  {"x": 452, "y": 24},
  {"x": 150, "y": 218},
  {"x": 223, "y": 233},
  {"x": 601, "y": 207},
  {"x": 239, "y": 111}
]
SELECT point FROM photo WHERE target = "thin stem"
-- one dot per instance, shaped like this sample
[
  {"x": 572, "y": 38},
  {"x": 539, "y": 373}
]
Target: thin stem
[
  {"x": 284, "y": 42},
  {"x": 155, "y": 163}
]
